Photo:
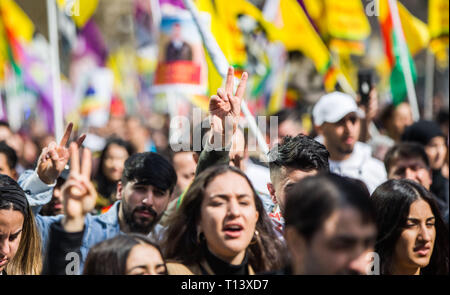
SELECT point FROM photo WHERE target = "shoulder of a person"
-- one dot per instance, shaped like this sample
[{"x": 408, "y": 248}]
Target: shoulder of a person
[{"x": 177, "y": 268}]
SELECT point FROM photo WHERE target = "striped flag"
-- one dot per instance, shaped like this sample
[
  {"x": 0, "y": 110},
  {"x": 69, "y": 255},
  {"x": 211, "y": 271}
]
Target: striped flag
[{"x": 392, "y": 51}]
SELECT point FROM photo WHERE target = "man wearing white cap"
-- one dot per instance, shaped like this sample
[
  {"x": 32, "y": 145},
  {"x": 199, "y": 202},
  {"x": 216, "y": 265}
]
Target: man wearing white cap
[{"x": 337, "y": 121}]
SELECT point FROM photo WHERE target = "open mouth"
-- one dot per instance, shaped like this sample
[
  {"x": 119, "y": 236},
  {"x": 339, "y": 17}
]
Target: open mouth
[{"x": 233, "y": 230}]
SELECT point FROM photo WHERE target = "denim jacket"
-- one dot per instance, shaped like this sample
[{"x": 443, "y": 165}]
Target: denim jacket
[{"x": 97, "y": 227}]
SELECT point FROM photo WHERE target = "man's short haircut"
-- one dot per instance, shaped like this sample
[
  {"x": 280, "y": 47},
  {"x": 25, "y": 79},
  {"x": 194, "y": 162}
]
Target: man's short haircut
[
  {"x": 313, "y": 200},
  {"x": 405, "y": 150},
  {"x": 10, "y": 154},
  {"x": 150, "y": 169},
  {"x": 300, "y": 152}
]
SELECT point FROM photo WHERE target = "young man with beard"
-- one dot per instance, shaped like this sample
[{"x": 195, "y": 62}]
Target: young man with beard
[
  {"x": 337, "y": 119},
  {"x": 143, "y": 194}
]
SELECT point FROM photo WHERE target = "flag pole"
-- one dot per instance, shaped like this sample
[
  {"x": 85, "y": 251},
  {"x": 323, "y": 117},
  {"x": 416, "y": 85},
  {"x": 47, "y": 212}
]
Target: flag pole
[
  {"x": 429, "y": 86},
  {"x": 55, "y": 68},
  {"x": 221, "y": 64},
  {"x": 404, "y": 59}
]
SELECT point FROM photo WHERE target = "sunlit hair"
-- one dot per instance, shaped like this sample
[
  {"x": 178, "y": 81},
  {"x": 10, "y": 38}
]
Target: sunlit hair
[
  {"x": 392, "y": 201},
  {"x": 28, "y": 259},
  {"x": 181, "y": 242}
]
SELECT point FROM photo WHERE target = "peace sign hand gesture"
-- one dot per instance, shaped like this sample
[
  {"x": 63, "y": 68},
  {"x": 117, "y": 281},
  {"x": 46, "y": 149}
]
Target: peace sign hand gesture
[
  {"x": 54, "y": 158},
  {"x": 79, "y": 194},
  {"x": 225, "y": 107}
]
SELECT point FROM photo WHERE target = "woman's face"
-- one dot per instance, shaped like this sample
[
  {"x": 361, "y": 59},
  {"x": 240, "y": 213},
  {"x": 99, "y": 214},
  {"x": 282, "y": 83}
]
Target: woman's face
[
  {"x": 145, "y": 259},
  {"x": 415, "y": 245},
  {"x": 228, "y": 216},
  {"x": 114, "y": 162},
  {"x": 436, "y": 151},
  {"x": 11, "y": 223}
]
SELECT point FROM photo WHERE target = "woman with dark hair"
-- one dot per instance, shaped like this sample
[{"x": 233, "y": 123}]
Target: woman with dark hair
[
  {"x": 131, "y": 254},
  {"x": 221, "y": 228},
  {"x": 20, "y": 250},
  {"x": 412, "y": 237},
  {"x": 110, "y": 168}
]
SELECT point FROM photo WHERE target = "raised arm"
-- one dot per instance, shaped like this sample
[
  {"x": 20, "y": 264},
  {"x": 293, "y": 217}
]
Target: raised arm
[
  {"x": 39, "y": 184},
  {"x": 224, "y": 115}
]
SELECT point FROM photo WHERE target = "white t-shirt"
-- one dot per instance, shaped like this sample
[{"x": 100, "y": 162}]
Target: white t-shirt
[{"x": 361, "y": 165}]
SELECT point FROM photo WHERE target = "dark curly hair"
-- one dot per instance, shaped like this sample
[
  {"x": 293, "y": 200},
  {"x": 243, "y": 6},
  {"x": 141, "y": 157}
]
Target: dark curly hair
[{"x": 300, "y": 152}]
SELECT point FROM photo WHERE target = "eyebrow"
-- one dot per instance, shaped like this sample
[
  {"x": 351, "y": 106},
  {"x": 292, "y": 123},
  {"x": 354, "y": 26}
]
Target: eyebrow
[
  {"x": 226, "y": 197},
  {"x": 15, "y": 234},
  {"x": 18, "y": 232},
  {"x": 416, "y": 219}
]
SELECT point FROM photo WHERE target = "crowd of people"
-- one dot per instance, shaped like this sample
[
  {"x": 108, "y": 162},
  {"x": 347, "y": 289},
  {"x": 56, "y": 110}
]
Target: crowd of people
[{"x": 325, "y": 203}]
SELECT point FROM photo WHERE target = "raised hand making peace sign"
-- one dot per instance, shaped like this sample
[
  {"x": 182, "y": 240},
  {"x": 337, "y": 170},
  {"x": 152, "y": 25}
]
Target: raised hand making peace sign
[
  {"x": 225, "y": 107},
  {"x": 79, "y": 194},
  {"x": 54, "y": 158}
]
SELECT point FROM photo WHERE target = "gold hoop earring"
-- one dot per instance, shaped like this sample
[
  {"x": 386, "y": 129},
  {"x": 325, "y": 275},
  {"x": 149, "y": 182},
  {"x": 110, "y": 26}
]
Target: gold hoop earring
[{"x": 255, "y": 238}]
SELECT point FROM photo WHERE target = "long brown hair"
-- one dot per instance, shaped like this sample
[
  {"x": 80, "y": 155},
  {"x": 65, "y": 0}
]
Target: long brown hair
[
  {"x": 28, "y": 258},
  {"x": 181, "y": 243}
]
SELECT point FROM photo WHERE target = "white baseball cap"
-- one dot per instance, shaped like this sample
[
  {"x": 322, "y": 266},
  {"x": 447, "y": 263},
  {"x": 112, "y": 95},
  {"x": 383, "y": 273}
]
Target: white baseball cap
[{"x": 334, "y": 106}]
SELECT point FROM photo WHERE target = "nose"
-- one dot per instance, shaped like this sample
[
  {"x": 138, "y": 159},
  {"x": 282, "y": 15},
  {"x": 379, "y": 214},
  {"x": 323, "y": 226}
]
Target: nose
[
  {"x": 425, "y": 233},
  {"x": 148, "y": 200},
  {"x": 4, "y": 248},
  {"x": 348, "y": 125},
  {"x": 410, "y": 174},
  {"x": 234, "y": 208}
]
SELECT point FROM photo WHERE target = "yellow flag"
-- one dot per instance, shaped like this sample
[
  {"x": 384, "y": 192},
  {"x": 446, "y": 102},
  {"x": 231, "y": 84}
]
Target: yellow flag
[
  {"x": 225, "y": 28},
  {"x": 16, "y": 21},
  {"x": 416, "y": 32},
  {"x": 438, "y": 23},
  {"x": 297, "y": 33},
  {"x": 81, "y": 10},
  {"x": 346, "y": 19},
  {"x": 347, "y": 26},
  {"x": 438, "y": 18}
]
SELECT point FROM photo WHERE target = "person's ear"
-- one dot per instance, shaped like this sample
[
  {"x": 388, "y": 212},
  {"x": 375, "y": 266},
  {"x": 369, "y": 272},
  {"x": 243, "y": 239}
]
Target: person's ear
[
  {"x": 196, "y": 157},
  {"x": 271, "y": 190},
  {"x": 318, "y": 129},
  {"x": 119, "y": 190},
  {"x": 296, "y": 245}
]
